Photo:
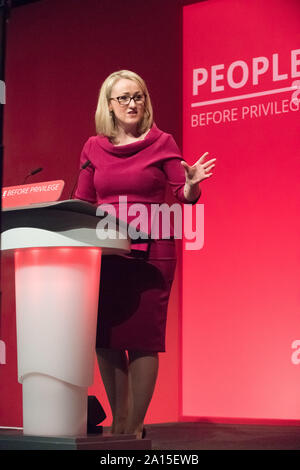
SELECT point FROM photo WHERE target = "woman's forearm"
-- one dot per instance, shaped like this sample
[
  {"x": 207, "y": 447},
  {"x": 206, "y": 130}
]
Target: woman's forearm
[{"x": 191, "y": 192}]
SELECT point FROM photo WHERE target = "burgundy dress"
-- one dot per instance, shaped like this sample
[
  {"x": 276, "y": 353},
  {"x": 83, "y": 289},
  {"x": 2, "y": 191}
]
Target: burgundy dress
[{"x": 134, "y": 288}]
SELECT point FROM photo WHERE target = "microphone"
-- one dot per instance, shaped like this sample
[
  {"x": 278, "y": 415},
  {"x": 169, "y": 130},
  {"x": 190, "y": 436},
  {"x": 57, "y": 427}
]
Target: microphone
[
  {"x": 85, "y": 165},
  {"x": 33, "y": 172}
]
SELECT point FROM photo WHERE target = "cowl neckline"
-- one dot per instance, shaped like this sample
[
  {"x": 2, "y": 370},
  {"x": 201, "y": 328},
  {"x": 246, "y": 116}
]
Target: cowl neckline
[{"x": 128, "y": 150}]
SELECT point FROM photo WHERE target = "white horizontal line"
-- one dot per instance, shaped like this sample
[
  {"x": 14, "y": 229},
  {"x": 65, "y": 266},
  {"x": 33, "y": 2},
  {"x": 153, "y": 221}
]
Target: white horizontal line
[
  {"x": 243, "y": 97},
  {"x": 10, "y": 427}
]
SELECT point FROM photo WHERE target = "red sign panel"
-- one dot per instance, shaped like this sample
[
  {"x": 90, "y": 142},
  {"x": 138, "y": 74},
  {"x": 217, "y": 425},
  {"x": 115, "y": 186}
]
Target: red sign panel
[
  {"x": 23, "y": 195},
  {"x": 241, "y": 291}
]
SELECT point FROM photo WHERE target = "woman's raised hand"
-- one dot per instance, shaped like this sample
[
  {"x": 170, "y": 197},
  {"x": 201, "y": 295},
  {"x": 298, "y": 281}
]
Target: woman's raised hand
[{"x": 199, "y": 171}]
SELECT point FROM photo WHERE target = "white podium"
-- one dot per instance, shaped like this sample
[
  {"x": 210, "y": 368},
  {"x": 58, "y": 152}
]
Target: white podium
[{"x": 57, "y": 273}]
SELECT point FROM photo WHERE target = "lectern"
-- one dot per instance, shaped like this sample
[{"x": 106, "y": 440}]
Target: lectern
[{"x": 57, "y": 250}]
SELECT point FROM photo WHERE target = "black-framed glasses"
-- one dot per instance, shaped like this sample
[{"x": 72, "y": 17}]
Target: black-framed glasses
[{"x": 124, "y": 100}]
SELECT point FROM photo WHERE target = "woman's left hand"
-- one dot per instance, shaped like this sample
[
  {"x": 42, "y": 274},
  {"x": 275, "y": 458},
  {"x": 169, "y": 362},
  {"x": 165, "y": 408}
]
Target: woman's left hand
[{"x": 199, "y": 171}]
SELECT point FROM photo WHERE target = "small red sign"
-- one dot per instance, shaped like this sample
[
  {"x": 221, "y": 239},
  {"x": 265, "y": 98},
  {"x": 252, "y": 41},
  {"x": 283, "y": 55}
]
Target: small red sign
[{"x": 25, "y": 194}]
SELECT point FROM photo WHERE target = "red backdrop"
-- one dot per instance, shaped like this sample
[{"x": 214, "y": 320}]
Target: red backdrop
[{"x": 241, "y": 294}]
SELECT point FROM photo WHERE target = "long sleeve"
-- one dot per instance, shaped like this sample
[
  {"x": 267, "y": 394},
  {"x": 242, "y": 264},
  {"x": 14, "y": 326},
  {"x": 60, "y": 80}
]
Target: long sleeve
[
  {"x": 175, "y": 173},
  {"x": 85, "y": 187}
]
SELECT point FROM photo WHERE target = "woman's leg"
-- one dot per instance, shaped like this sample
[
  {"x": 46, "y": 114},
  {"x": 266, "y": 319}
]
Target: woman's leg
[
  {"x": 129, "y": 387},
  {"x": 113, "y": 365},
  {"x": 142, "y": 371}
]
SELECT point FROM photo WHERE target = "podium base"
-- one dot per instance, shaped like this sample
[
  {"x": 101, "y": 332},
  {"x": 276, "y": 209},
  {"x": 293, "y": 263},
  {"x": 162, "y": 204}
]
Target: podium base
[{"x": 16, "y": 440}]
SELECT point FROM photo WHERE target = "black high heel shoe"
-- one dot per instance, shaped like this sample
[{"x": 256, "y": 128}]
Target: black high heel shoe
[{"x": 144, "y": 433}]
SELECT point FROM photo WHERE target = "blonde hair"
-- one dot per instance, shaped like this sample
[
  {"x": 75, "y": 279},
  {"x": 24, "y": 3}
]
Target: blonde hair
[{"x": 104, "y": 119}]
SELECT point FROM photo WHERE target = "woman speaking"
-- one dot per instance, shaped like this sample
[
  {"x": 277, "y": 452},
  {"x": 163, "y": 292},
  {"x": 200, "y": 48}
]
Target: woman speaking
[{"x": 131, "y": 157}]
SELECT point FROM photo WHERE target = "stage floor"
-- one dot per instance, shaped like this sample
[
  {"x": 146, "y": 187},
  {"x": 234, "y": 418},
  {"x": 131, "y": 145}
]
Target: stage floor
[
  {"x": 177, "y": 436},
  {"x": 211, "y": 436}
]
